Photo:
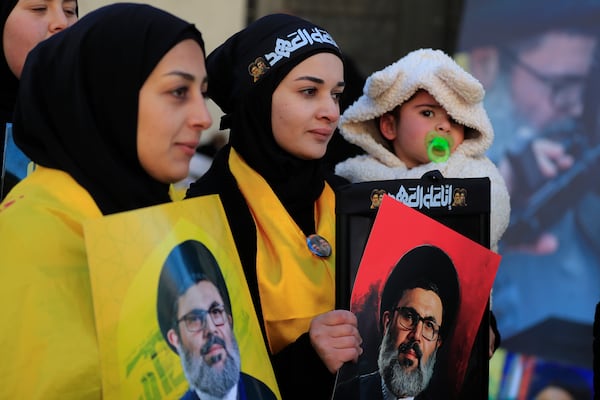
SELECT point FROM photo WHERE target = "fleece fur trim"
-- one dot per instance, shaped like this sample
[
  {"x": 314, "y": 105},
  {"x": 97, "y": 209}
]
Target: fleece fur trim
[
  {"x": 366, "y": 168},
  {"x": 456, "y": 90}
]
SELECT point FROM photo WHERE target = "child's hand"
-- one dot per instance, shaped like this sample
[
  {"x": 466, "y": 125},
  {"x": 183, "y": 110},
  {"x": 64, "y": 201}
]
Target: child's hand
[{"x": 335, "y": 337}]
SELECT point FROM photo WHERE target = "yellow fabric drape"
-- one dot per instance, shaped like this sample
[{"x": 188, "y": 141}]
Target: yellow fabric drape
[
  {"x": 47, "y": 329},
  {"x": 294, "y": 284}
]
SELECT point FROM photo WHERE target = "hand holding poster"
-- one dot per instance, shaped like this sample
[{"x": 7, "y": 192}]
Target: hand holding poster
[
  {"x": 174, "y": 315},
  {"x": 406, "y": 251}
]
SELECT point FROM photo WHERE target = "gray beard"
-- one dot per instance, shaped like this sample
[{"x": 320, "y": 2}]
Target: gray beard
[
  {"x": 205, "y": 378},
  {"x": 400, "y": 381}
]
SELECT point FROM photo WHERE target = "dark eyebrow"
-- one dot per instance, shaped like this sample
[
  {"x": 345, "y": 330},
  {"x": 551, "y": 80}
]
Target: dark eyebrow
[
  {"x": 194, "y": 311},
  {"x": 430, "y": 105},
  {"x": 184, "y": 75},
  {"x": 317, "y": 80},
  {"x": 427, "y": 318}
]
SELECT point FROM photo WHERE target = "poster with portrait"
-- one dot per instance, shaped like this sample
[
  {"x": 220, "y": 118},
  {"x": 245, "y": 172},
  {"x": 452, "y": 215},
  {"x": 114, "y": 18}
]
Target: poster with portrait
[
  {"x": 398, "y": 233},
  {"x": 173, "y": 309}
]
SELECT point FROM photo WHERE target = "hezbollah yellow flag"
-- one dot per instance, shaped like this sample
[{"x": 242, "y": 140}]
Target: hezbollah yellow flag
[{"x": 134, "y": 259}]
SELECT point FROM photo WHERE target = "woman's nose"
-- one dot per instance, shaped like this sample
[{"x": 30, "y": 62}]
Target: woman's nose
[
  {"x": 330, "y": 110},
  {"x": 58, "y": 21},
  {"x": 201, "y": 117}
]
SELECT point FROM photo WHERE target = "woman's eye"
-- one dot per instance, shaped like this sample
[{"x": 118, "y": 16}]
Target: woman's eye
[
  {"x": 180, "y": 92},
  {"x": 427, "y": 113},
  {"x": 309, "y": 92},
  {"x": 70, "y": 12},
  {"x": 204, "y": 90}
]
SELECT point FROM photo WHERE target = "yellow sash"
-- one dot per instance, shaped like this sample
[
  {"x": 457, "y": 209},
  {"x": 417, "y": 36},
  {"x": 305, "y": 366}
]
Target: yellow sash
[{"x": 294, "y": 284}]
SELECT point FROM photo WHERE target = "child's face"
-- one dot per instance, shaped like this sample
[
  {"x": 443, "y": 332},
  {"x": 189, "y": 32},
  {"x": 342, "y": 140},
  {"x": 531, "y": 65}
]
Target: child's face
[{"x": 418, "y": 116}]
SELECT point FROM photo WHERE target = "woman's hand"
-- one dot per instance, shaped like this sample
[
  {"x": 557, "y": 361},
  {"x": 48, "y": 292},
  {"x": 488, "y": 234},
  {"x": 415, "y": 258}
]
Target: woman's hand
[{"x": 335, "y": 337}]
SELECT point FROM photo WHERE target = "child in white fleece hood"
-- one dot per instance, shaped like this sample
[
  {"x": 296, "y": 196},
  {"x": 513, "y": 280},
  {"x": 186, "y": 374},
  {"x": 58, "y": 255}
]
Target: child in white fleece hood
[{"x": 424, "y": 112}]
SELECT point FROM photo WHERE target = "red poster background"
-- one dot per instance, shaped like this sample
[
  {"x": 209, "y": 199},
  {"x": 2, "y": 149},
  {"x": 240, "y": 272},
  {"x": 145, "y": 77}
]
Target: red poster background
[{"x": 398, "y": 229}]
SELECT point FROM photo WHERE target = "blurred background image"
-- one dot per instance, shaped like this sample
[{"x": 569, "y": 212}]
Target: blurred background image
[{"x": 539, "y": 64}]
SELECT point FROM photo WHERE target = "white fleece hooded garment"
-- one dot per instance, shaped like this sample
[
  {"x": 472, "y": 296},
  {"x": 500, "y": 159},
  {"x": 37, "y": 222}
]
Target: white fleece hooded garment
[{"x": 459, "y": 93}]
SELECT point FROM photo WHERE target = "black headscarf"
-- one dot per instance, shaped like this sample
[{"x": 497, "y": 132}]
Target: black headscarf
[
  {"x": 280, "y": 42},
  {"x": 78, "y": 103},
  {"x": 9, "y": 83}
]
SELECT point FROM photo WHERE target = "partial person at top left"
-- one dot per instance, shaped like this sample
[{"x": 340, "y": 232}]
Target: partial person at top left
[{"x": 23, "y": 24}]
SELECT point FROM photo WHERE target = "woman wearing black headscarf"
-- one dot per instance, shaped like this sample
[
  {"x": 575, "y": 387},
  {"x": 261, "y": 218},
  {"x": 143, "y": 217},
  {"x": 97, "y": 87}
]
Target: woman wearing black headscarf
[
  {"x": 111, "y": 111},
  {"x": 23, "y": 25},
  {"x": 279, "y": 82},
  {"x": 10, "y": 83}
]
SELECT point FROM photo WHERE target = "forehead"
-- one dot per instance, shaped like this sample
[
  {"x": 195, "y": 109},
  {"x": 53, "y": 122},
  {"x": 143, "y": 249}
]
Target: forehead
[
  {"x": 426, "y": 302},
  {"x": 202, "y": 295},
  {"x": 422, "y": 96},
  {"x": 187, "y": 53},
  {"x": 325, "y": 66}
]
